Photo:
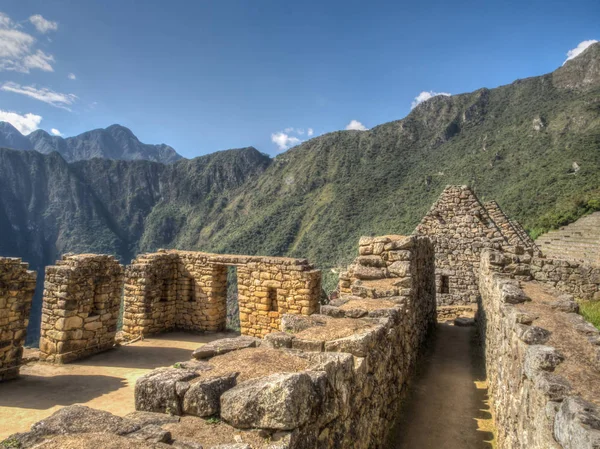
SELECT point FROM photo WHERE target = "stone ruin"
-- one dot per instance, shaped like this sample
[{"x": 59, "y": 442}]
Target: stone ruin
[
  {"x": 17, "y": 286},
  {"x": 188, "y": 290},
  {"x": 321, "y": 380},
  {"x": 460, "y": 227},
  {"x": 80, "y": 310}
]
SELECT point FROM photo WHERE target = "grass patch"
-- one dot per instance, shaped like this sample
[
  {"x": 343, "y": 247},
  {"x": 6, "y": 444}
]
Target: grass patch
[{"x": 590, "y": 310}]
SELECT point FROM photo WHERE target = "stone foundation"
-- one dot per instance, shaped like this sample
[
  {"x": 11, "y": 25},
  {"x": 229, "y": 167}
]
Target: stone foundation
[
  {"x": 80, "y": 309},
  {"x": 575, "y": 278},
  {"x": 188, "y": 290},
  {"x": 17, "y": 285}
]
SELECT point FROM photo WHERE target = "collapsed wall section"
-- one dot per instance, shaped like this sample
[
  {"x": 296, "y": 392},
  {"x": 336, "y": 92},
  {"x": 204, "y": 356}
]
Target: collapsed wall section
[
  {"x": 17, "y": 285},
  {"x": 537, "y": 349},
  {"x": 80, "y": 309},
  {"x": 460, "y": 227}
]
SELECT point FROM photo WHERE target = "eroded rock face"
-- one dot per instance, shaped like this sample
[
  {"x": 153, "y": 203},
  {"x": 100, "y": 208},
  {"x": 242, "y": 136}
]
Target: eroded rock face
[
  {"x": 577, "y": 424},
  {"x": 279, "y": 401},
  {"x": 225, "y": 345},
  {"x": 204, "y": 396},
  {"x": 161, "y": 390}
]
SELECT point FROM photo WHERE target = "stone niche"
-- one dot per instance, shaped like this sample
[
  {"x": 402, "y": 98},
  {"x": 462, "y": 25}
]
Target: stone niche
[
  {"x": 17, "y": 285},
  {"x": 80, "y": 310},
  {"x": 187, "y": 290}
]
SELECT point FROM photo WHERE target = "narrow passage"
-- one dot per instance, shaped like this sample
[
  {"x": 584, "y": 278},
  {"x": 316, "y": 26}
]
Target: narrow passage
[{"x": 446, "y": 406}]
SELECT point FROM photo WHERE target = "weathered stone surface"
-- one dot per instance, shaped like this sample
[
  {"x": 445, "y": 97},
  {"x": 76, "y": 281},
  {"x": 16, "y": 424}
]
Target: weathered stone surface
[
  {"x": 224, "y": 346},
  {"x": 162, "y": 390},
  {"x": 146, "y": 418},
  {"x": 186, "y": 443},
  {"x": 152, "y": 434},
  {"x": 541, "y": 358},
  {"x": 532, "y": 335},
  {"x": 279, "y": 340},
  {"x": 577, "y": 424},
  {"x": 17, "y": 285},
  {"x": 232, "y": 446},
  {"x": 279, "y": 401},
  {"x": 369, "y": 273},
  {"x": 81, "y": 419},
  {"x": 203, "y": 396},
  {"x": 552, "y": 385}
]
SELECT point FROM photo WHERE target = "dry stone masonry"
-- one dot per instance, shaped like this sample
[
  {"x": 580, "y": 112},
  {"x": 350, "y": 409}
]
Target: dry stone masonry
[
  {"x": 539, "y": 398},
  {"x": 188, "y": 290},
  {"x": 80, "y": 309},
  {"x": 17, "y": 285}
]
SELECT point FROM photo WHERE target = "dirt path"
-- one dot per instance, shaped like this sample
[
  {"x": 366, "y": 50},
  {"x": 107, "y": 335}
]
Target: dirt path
[
  {"x": 446, "y": 406},
  {"x": 105, "y": 381}
]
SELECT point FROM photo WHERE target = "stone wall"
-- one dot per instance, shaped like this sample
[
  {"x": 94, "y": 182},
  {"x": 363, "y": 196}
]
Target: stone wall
[
  {"x": 460, "y": 227},
  {"x": 575, "y": 278},
  {"x": 17, "y": 285},
  {"x": 351, "y": 367},
  {"x": 534, "y": 405},
  {"x": 514, "y": 232},
  {"x": 188, "y": 290},
  {"x": 80, "y": 309}
]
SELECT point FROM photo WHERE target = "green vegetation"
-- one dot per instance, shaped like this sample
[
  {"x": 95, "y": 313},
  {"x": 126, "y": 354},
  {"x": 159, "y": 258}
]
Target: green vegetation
[
  {"x": 213, "y": 420},
  {"x": 590, "y": 310}
]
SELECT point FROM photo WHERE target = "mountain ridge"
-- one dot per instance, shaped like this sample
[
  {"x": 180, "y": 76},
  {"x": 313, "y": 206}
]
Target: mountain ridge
[{"x": 114, "y": 142}]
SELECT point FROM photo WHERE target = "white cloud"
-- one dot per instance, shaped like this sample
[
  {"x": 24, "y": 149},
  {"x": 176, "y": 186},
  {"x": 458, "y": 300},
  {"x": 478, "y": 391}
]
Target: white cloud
[
  {"x": 55, "y": 132},
  {"x": 310, "y": 132},
  {"x": 284, "y": 141},
  {"x": 424, "y": 96},
  {"x": 43, "y": 25},
  {"x": 24, "y": 123},
  {"x": 17, "y": 49},
  {"x": 55, "y": 99},
  {"x": 356, "y": 125},
  {"x": 71, "y": 76},
  {"x": 574, "y": 52}
]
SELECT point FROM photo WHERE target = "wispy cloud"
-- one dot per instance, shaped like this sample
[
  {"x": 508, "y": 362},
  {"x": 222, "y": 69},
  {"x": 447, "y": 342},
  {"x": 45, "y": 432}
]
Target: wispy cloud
[
  {"x": 56, "y": 99},
  {"x": 43, "y": 25},
  {"x": 574, "y": 52},
  {"x": 284, "y": 140},
  {"x": 17, "y": 49},
  {"x": 356, "y": 126},
  {"x": 26, "y": 123},
  {"x": 55, "y": 132},
  {"x": 310, "y": 132},
  {"x": 426, "y": 95},
  {"x": 71, "y": 76}
]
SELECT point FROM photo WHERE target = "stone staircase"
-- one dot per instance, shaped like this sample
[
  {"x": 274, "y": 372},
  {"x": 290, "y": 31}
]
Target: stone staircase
[{"x": 578, "y": 241}]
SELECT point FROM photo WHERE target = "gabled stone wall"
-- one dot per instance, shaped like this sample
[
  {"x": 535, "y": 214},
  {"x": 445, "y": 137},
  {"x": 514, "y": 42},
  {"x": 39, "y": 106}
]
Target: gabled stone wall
[
  {"x": 514, "y": 233},
  {"x": 17, "y": 285},
  {"x": 80, "y": 309},
  {"x": 460, "y": 227},
  {"x": 188, "y": 290}
]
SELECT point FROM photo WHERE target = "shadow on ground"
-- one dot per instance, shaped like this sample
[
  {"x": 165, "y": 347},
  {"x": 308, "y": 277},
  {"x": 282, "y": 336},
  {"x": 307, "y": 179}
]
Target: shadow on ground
[{"x": 41, "y": 393}]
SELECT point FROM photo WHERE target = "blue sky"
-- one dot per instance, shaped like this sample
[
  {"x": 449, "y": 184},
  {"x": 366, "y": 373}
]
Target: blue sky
[{"x": 206, "y": 75}]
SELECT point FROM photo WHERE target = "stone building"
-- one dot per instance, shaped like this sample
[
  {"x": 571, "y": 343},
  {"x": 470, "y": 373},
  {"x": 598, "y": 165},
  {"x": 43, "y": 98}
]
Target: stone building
[
  {"x": 188, "y": 290},
  {"x": 80, "y": 309},
  {"x": 460, "y": 226},
  {"x": 17, "y": 285}
]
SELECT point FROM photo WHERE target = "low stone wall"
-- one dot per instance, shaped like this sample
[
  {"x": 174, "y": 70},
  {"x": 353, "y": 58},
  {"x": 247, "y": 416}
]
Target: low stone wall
[
  {"x": 17, "y": 285},
  {"x": 188, "y": 290},
  {"x": 80, "y": 309},
  {"x": 575, "y": 278},
  {"x": 534, "y": 407}
]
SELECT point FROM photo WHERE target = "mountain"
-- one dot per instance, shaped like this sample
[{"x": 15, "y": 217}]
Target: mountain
[
  {"x": 533, "y": 145},
  {"x": 115, "y": 142}
]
